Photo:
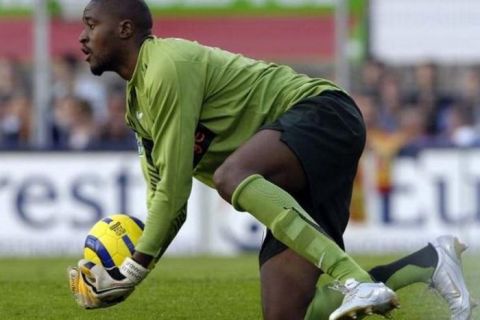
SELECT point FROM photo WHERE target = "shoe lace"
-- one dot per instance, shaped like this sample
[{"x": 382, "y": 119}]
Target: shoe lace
[
  {"x": 347, "y": 291},
  {"x": 340, "y": 287}
]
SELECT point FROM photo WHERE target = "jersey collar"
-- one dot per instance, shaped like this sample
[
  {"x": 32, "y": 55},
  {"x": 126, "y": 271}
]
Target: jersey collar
[{"x": 140, "y": 58}]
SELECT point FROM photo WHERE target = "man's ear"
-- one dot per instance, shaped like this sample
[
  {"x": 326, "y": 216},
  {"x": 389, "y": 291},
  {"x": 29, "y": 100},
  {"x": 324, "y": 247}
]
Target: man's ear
[{"x": 126, "y": 29}]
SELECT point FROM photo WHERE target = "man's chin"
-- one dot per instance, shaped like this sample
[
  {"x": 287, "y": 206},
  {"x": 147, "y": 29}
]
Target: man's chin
[{"x": 96, "y": 71}]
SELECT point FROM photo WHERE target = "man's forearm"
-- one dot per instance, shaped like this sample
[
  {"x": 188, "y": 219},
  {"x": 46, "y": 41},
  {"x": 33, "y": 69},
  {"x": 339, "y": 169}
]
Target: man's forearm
[
  {"x": 157, "y": 237},
  {"x": 144, "y": 259}
]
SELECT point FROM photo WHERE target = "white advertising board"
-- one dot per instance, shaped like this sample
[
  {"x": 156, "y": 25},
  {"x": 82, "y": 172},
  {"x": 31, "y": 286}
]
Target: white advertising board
[
  {"x": 48, "y": 201},
  {"x": 439, "y": 30},
  {"x": 436, "y": 193}
]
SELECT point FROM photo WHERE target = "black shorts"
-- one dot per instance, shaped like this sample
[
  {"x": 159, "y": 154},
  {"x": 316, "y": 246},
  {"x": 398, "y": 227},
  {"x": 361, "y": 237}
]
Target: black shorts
[{"x": 327, "y": 134}]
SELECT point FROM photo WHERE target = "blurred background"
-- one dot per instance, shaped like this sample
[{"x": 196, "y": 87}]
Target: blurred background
[{"x": 67, "y": 158}]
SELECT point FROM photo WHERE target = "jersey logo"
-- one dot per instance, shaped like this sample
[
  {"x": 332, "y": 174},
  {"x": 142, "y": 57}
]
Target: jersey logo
[
  {"x": 203, "y": 139},
  {"x": 140, "y": 149},
  {"x": 148, "y": 149},
  {"x": 139, "y": 115}
]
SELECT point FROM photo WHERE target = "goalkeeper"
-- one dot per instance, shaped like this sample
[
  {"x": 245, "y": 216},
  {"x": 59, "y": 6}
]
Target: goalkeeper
[{"x": 279, "y": 145}]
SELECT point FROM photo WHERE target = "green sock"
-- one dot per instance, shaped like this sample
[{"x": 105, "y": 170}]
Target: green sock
[
  {"x": 417, "y": 267},
  {"x": 325, "y": 301},
  {"x": 409, "y": 275},
  {"x": 291, "y": 225}
]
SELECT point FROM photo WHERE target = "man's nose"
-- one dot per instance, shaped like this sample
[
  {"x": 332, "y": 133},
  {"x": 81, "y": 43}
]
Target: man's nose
[{"x": 82, "y": 37}]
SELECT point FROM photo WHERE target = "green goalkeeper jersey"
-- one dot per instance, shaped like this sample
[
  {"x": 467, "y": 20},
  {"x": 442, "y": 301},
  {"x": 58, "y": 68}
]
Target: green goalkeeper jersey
[{"x": 191, "y": 106}]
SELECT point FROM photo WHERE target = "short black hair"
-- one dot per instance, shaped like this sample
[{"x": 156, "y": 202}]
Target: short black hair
[{"x": 135, "y": 10}]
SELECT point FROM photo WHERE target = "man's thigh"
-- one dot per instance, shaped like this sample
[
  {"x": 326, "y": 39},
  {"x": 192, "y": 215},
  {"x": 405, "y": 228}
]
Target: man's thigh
[
  {"x": 265, "y": 154},
  {"x": 287, "y": 286}
]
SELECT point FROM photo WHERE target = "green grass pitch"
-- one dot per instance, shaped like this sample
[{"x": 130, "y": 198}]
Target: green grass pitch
[{"x": 183, "y": 288}]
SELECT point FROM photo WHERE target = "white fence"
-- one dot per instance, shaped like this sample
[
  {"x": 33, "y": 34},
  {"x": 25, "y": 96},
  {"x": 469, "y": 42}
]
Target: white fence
[{"x": 48, "y": 201}]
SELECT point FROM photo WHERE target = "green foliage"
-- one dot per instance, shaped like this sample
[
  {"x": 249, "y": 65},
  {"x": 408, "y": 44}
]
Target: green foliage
[
  {"x": 181, "y": 288},
  {"x": 23, "y": 10}
]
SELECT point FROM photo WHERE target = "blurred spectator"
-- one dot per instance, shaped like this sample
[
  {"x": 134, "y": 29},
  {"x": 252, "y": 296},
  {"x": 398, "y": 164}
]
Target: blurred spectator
[
  {"x": 389, "y": 102},
  {"x": 70, "y": 78},
  {"x": 382, "y": 146},
  {"x": 372, "y": 72},
  {"x": 64, "y": 70},
  {"x": 469, "y": 95},
  {"x": 9, "y": 78},
  {"x": 94, "y": 90},
  {"x": 405, "y": 108},
  {"x": 426, "y": 92},
  {"x": 460, "y": 131},
  {"x": 15, "y": 122},
  {"x": 75, "y": 126},
  {"x": 114, "y": 133},
  {"x": 414, "y": 131},
  {"x": 366, "y": 103}
]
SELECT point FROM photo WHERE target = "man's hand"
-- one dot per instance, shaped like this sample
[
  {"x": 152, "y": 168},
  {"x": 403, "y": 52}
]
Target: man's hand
[{"x": 93, "y": 287}]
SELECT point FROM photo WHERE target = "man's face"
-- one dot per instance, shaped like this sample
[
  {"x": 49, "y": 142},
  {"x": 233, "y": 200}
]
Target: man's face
[{"x": 99, "y": 39}]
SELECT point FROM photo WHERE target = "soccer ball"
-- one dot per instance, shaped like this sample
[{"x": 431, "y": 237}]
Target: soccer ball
[{"x": 112, "y": 239}]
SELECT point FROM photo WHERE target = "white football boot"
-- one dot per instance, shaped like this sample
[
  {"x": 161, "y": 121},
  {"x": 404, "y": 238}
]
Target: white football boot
[
  {"x": 448, "y": 277},
  {"x": 364, "y": 298}
]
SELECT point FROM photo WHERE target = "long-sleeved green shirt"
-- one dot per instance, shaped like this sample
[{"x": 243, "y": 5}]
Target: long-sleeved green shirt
[{"x": 191, "y": 106}]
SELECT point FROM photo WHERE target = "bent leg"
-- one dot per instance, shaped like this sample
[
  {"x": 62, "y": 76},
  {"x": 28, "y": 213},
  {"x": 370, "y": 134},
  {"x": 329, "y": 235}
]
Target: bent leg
[
  {"x": 239, "y": 180},
  {"x": 264, "y": 154},
  {"x": 324, "y": 302},
  {"x": 288, "y": 286},
  {"x": 417, "y": 267},
  {"x": 291, "y": 225}
]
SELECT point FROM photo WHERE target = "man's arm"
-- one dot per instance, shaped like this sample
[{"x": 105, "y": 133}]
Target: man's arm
[
  {"x": 147, "y": 260},
  {"x": 173, "y": 111},
  {"x": 174, "y": 107},
  {"x": 152, "y": 176}
]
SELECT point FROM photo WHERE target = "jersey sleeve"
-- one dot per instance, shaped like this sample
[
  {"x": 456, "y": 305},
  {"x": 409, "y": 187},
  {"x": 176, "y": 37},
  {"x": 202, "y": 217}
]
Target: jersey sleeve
[{"x": 174, "y": 106}]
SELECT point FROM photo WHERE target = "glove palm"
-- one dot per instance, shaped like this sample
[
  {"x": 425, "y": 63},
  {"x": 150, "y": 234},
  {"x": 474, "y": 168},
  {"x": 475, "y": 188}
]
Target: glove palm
[{"x": 94, "y": 287}]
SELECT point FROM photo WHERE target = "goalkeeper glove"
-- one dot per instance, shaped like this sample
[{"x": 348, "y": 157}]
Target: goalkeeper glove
[{"x": 93, "y": 287}]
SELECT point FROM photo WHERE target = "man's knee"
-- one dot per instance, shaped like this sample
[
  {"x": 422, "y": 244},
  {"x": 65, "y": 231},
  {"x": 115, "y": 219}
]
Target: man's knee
[{"x": 227, "y": 177}]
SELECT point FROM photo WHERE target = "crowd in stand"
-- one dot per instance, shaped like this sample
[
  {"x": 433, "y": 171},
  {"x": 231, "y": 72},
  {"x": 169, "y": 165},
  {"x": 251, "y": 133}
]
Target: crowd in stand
[
  {"x": 409, "y": 108},
  {"x": 85, "y": 112},
  {"x": 405, "y": 108}
]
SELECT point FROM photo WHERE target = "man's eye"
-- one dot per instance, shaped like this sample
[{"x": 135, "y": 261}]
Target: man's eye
[{"x": 91, "y": 26}]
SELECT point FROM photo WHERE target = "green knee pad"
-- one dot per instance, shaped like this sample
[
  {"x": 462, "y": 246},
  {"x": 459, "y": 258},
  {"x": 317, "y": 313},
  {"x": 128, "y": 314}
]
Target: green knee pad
[
  {"x": 294, "y": 227},
  {"x": 300, "y": 234}
]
